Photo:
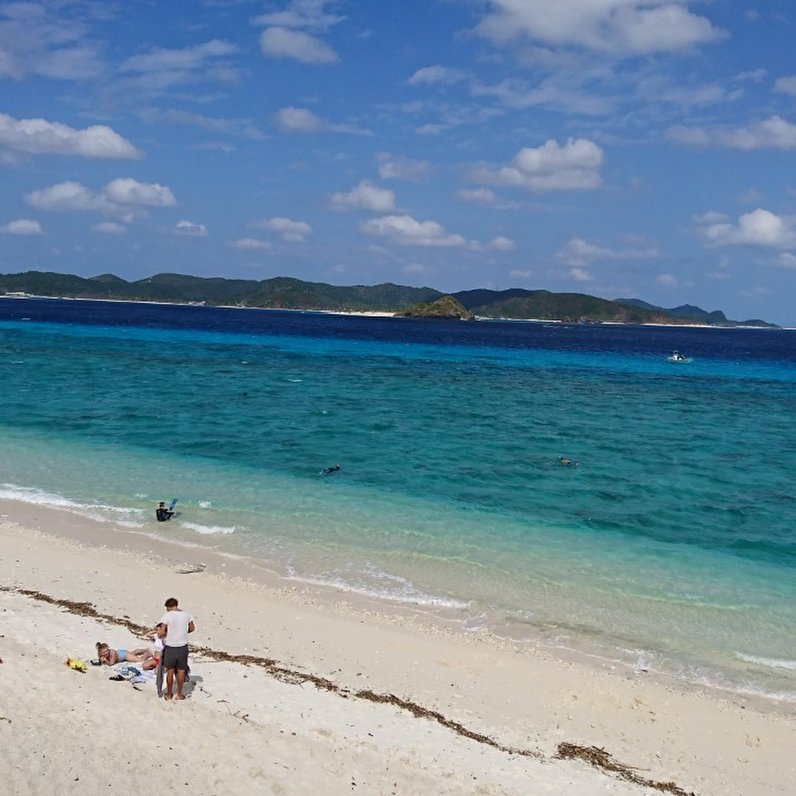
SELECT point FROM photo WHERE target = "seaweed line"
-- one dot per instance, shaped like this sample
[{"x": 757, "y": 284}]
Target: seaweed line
[{"x": 592, "y": 755}]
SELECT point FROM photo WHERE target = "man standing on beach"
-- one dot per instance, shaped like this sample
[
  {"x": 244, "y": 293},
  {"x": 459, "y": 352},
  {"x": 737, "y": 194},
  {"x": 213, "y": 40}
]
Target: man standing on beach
[{"x": 175, "y": 646}]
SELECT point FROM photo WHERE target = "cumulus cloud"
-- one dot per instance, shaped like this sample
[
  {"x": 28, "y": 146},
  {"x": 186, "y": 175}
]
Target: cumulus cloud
[
  {"x": 296, "y": 44},
  {"x": 127, "y": 191},
  {"x": 22, "y": 226},
  {"x": 300, "y": 120},
  {"x": 408, "y": 231},
  {"x": 395, "y": 167},
  {"x": 67, "y": 196},
  {"x": 41, "y": 137},
  {"x": 760, "y": 228},
  {"x": 666, "y": 280},
  {"x": 502, "y": 244},
  {"x": 287, "y": 229},
  {"x": 580, "y": 275},
  {"x": 613, "y": 27},
  {"x": 786, "y": 85},
  {"x": 365, "y": 196},
  {"x": 786, "y": 260},
  {"x": 286, "y": 34},
  {"x": 297, "y": 120},
  {"x": 772, "y": 133},
  {"x": 578, "y": 252},
  {"x": 431, "y": 75},
  {"x": 550, "y": 167},
  {"x": 190, "y": 229},
  {"x": 121, "y": 197},
  {"x": 109, "y": 228},
  {"x": 249, "y": 244}
]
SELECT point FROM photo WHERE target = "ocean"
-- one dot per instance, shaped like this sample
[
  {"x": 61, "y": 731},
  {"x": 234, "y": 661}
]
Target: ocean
[{"x": 670, "y": 547}]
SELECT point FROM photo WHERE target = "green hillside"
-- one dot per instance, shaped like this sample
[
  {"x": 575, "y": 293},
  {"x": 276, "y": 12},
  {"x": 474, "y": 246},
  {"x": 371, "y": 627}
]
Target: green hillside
[{"x": 289, "y": 293}]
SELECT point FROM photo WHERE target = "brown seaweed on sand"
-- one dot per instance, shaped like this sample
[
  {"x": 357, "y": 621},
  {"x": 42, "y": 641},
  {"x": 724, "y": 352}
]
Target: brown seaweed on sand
[
  {"x": 593, "y": 755},
  {"x": 599, "y": 758}
]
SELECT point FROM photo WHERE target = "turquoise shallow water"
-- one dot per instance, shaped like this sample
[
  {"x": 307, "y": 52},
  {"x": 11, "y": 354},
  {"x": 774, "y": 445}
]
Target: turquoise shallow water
[{"x": 671, "y": 547}]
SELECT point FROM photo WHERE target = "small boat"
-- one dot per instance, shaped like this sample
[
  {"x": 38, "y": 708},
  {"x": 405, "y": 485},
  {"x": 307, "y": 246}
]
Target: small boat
[{"x": 676, "y": 356}]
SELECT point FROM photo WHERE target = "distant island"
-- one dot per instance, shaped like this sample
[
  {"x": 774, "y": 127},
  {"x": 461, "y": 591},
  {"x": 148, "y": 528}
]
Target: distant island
[{"x": 294, "y": 294}]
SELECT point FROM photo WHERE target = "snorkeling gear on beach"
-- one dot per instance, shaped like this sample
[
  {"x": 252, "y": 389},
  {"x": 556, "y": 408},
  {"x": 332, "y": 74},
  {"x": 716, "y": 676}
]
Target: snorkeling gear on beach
[{"x": 77, "y": 665}]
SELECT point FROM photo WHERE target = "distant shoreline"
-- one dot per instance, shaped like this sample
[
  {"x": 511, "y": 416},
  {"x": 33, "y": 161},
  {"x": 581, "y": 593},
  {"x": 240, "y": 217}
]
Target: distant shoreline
[{"x": 385, "y": 314}]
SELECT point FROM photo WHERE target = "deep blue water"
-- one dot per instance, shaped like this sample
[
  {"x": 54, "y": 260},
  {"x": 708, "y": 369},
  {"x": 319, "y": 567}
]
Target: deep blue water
[{"x": 672, "y": 541}]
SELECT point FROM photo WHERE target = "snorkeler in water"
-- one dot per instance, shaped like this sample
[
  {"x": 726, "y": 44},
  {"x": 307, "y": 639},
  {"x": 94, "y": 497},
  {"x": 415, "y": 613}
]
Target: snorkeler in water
[
  {"x": 564, "y": 462},
  {"x": 330, "y": 470}
]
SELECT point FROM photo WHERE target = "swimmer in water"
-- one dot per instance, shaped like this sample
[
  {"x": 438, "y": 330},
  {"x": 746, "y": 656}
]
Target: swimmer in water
[
  {"x": 330, "y": 470},
  {"x": 564, "y": 462}
]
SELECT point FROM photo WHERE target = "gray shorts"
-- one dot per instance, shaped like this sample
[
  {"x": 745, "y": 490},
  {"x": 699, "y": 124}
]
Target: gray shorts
[{"x": 175, "y": 658}]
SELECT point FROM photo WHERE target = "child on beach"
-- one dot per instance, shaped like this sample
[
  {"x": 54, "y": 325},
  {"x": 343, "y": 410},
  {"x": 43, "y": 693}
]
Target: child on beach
[
  {"x": 110, "y": 656},
  {"x": 157, "y": 648}
]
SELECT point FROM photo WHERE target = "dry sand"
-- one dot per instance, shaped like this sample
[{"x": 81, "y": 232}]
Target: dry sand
[{"x": 334, "y": 698}]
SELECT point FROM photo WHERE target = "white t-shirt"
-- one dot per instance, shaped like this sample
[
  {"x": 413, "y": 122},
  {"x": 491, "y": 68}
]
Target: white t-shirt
[{"x": 177, "y": 628}]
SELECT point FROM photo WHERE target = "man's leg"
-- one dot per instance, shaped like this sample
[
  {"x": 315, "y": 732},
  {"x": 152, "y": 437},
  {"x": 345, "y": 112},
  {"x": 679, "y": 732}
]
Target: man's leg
[
  {"x": 180, "y": 683},
  {"x": 169, "y": 682}
]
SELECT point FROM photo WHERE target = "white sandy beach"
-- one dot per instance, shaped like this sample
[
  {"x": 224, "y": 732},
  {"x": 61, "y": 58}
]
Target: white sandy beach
[{"x": 312, "y": 711}]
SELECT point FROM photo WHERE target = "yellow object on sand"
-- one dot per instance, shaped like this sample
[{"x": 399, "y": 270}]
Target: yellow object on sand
[{"x": 74, "y": 663}]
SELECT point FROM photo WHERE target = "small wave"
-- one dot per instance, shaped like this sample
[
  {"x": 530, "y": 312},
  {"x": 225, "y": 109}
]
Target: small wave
[
  {"x": 205, "y": 504},
  {"x": 99, "y": 512},
  {"x": 771, "y": 663},
  {"x": 405, "y": 592},
  {"x": 209, "y": 530}
]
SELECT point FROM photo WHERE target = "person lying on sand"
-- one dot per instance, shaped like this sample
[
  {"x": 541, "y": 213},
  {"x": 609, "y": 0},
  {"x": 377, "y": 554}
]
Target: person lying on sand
[{"x": 110, "y": 656}]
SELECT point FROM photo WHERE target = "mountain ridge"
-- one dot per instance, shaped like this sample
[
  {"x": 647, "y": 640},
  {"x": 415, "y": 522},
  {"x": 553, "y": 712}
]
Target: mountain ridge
[{"x": 289, "y": 293}]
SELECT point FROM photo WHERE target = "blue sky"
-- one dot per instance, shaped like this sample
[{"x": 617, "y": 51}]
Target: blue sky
[{"x": 622, "y": 148}]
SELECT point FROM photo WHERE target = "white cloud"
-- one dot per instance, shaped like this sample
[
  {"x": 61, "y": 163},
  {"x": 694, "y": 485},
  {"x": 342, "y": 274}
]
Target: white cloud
[
  {"x": 190, "y": 229},
  {"x": 127, "y": 191},
  {"x": 580, "y": 275},
  {"x": 250, "y": 244},
  {"x": 550, "y": 167},
  {"x": 772, "y": 133},
  {"x": 34, "y": 40},
  {"x": 520, "y": 274},
  {"x": 578, "y": 252},
  {"x": 40, "y": 137},
  {"x": 287, "y": 229},
  {"x": 479, "y": 196},
  {"x": 109, "y": 228},
  {"x": 161, "y": 67},
  {"x": 786, "y": 260},
  {"x": 502, "y": 244},
  {"x": 22, "y": 226},
  {"x": 666, "y": 280},
  {"x": 297, "y": 120},
  {"x": 408, "y": 231},
  {"x": 161, "y": 59},
  {"x": 430, "y": 75},
  {"x": 309, "y": 14},
  {"x": 243, "y": 128},
  {"x": 612, "y": 27},
  {"x": 786, "y": 85},
  {"x": 295, "y": 44},
  {"x": 66, "y": 196},
  {"x": 121, "y": 197},
  {"x": 395, "y": 167},
  {"x": 365, "y": 196},
  {"x": 758, "y": 228}
]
